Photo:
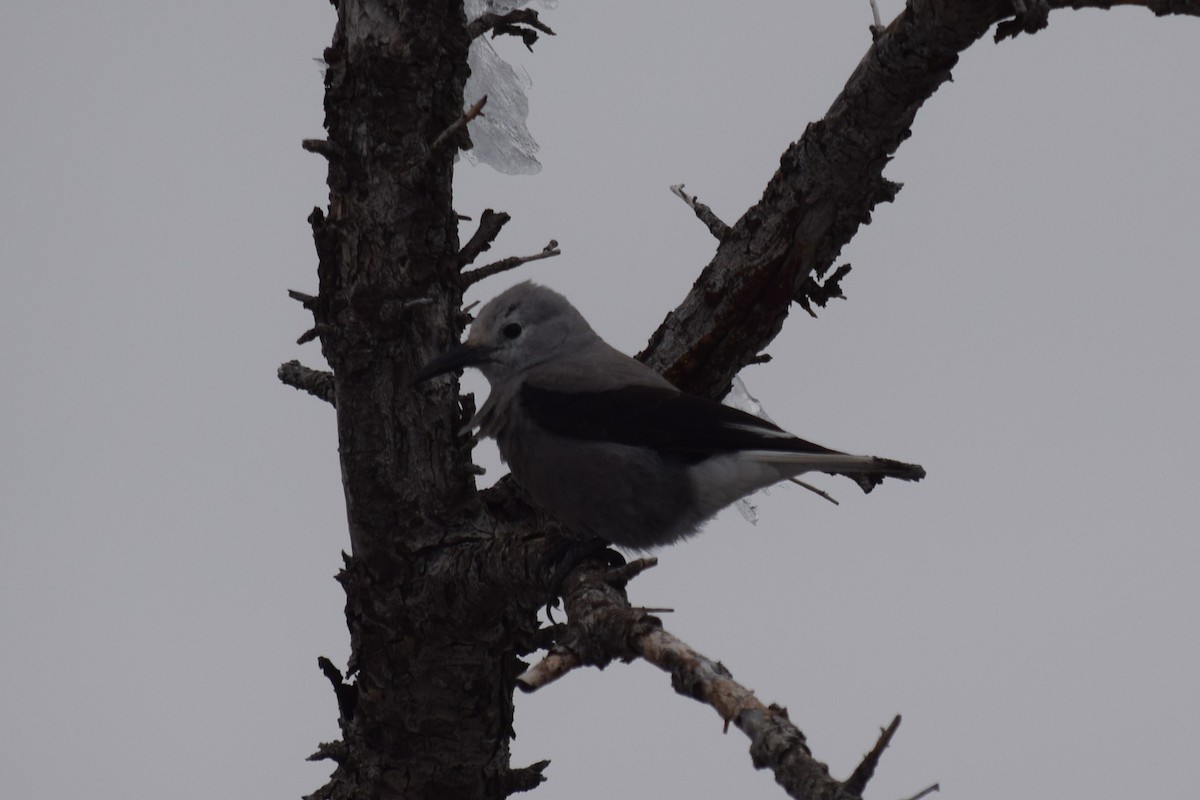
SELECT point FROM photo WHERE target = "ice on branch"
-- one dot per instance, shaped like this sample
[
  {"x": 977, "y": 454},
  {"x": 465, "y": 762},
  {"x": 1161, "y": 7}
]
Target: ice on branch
[
  {"x": 741, "y": 399},
  {"x": 500, "y": 136}
]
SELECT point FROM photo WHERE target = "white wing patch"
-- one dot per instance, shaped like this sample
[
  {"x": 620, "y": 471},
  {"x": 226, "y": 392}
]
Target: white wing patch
[{"x": 759, "y": 430}]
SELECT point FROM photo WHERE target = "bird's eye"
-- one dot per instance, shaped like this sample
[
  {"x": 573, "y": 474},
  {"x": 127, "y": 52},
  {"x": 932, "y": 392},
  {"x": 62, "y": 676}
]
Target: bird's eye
[{"x": 511, "y": 331}]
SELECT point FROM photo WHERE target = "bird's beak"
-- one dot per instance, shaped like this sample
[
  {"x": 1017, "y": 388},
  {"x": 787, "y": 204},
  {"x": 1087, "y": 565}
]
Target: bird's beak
[{"x": 457, "y": 357}]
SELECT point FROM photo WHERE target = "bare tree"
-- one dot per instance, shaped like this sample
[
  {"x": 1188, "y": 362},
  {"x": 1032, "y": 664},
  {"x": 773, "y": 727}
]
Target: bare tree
[{"x": 444, "y": 582}]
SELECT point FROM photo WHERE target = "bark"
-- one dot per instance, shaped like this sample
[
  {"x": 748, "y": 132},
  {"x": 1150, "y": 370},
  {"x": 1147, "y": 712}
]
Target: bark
[
  {"x": 429, "y": 711},
  {"x": 443, "y": 583},
  {"x": 826, "y": 186}
]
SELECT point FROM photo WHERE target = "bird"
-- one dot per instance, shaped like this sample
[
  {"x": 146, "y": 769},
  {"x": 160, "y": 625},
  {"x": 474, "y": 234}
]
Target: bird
[{"x": 610, "y": 448}]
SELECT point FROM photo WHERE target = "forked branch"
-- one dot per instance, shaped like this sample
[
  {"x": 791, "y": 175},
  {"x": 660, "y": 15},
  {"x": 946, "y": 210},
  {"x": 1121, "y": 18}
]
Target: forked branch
[
  {"x": 490, "y": 223},
  {"x": 511, "y": 23},
  {"x": 603, "y": 627}
]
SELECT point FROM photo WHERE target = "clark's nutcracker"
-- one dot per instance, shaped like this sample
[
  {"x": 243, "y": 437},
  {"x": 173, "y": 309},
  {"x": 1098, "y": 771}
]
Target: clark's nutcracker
[{"x": 609, "y": 446}]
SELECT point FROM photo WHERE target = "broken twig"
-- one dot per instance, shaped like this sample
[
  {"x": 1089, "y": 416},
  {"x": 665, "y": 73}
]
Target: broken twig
[
  {"x": 866, "y": 768},
  {"x": 505, "y": 264},
  {"x": 490, "y": 223},
  {"x": 316, "y": 382},
  {"x": 927, "y": 790},
  {"x": 322, "y": 147},
  {"x": 705, "y": 214},
  {"x": 460, "y": 123},
  {"x": 877, "y": 25},
  {"x": 510, "y": 24}
]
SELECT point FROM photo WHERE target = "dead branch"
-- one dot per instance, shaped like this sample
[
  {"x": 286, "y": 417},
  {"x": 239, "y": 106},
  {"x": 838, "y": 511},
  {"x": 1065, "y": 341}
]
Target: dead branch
[
  {"x": 510, "y": 24},
  {"x": 926, "y": 791},
  {"x": 330, "y": 751},
  {"x": 490, "y": 223},
  {"x": 456, "y": 126},
  {"x": 603, "y": 627},
  {"x": 827, "y": 185},
  {"x": 313, "y": 332},
  {"x": 705, "y": 214},
  {"x": 505, "y": 264},
  {"x": 821, "y": 293},
  {"x": 321, "y": 147},
  {"x": 306, "y": 300},
  {"x": 876, "y": 27},
  {"x": 866, "y": 768},
  {"x": 1030, "y": 17},
  {"x": 525, "y": 779},
  {"x": 316, "y": 382}
]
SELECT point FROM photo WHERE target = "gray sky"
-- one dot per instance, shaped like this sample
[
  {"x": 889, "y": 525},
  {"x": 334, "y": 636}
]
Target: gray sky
[{"x": 1021, "y": 321}]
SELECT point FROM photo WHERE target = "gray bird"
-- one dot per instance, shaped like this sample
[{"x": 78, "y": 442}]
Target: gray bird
[{"x": 607, "y": 445}]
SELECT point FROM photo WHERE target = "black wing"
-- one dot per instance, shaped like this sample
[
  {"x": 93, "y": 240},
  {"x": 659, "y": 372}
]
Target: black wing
[{"x": 685, "y": 426}]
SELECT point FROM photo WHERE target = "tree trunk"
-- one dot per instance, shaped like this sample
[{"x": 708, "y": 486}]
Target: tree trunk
[{"x": 430, "y": 711}]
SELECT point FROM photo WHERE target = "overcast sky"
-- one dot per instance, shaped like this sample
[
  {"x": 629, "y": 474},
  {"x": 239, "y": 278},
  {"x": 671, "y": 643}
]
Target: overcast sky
[{"x": 1022, "y": 321}]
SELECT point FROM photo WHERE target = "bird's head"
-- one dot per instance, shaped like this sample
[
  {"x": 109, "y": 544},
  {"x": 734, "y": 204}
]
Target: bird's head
[{"x": 520, "y": 328}]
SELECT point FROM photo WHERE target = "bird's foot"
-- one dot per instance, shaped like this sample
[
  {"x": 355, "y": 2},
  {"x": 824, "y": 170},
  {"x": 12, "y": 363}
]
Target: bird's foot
[{"x": 566, "y": 555}]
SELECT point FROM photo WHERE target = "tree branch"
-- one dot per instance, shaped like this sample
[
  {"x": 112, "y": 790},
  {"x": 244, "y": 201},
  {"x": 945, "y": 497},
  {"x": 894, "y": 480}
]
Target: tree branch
[
  {"x": 821, "y": 293},
  {"x": 456, "y": 126},
  {"x": 827, "y": 184},
  {"x": 603, "y": 627},
  {"x": 505, "y": 264},
  {"x": 510, "y": 23},
  {"x": 525, "y": 779},
  {"x": 705, "y": 214},
  {"x": 346, "y": 693},
  {"x": 928, "y": 790},
  {"x": 490, "y": 223},
  {"x": 876, "y": 27},
  {"x": 321, "y": 147},
  {"x": 306, "y": 300},
  {"x": 316, "y": 382},
  {"x": 1030, "y": 17},
  {"x": 862, "y": 774}
]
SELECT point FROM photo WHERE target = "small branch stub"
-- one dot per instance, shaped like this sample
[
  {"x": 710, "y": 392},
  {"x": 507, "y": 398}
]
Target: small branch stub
[
  {"x": 316, "y": 382},
  {"x": 866, "y": 768},
  {"x": 926, "y": 791},
  {"x": 490, "y": 223},
  {"x": 329, "y": 751},
  {"x": 876, "y": 24},
  {"x": 322, "y": 147},
  {"x": 510, "y": 24},
  {"x": 306, "y": 300},
  {"x": 347, "y": 693},
  {"x": 525, "y": 779},
  {"x": 821, "y": 293},
  {"x": 460, "y": 123},
  {"x": 1030, "y": 17},
  {"x": 705, "y": 214}
]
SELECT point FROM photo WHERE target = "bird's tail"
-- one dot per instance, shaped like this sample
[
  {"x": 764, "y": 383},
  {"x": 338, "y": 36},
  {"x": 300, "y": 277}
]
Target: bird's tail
[{"x": 867, "y": 471}]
